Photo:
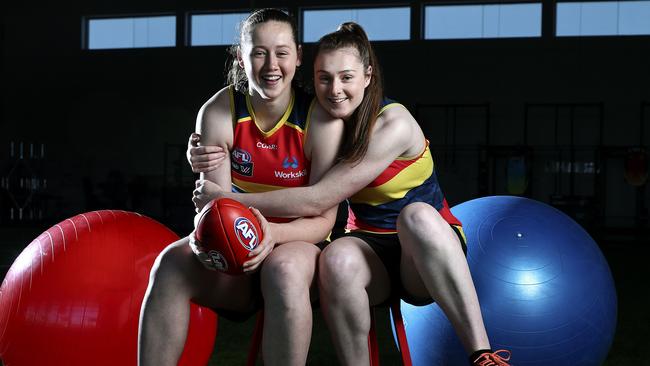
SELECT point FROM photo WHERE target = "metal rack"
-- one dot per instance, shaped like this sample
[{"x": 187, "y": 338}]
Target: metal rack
[{"x": 23, "y": 185}]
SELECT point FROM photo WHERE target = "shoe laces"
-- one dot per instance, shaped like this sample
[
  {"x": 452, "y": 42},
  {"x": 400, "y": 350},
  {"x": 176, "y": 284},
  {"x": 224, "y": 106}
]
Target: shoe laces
[{"x": 497, "y": 358}]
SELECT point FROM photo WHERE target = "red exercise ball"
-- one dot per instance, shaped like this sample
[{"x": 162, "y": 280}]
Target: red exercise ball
[
  {"x": 226, "y": 232},
  {"x": 73, "y": 296}
]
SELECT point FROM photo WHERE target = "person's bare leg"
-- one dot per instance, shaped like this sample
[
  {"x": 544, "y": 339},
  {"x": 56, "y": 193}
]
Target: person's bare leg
[
  {"x": 351, "y": 279},
  {"x": 433, "y": 264},
  {"x": 287, "y": 275},
  {"x": 177, "y": 277}
]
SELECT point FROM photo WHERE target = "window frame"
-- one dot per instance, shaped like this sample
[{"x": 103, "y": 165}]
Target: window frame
[
  {"x": 85, "y": 29},
  {"x": 187, "y": 37},
  {"x": 555, "y": 20},
  {"x": 302, "y": 9},
  {"x": 423, "y": 19}
]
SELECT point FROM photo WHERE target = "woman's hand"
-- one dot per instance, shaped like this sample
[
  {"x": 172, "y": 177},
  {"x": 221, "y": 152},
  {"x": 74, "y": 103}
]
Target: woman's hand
[
  {"x": 258, "y": 254},
  {"x": 205, "y": 192},
  {"x": 203, "y": 159}
]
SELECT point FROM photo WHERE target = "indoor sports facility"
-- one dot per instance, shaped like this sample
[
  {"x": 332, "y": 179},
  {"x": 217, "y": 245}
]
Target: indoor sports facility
[{"x": 536, "y": 112}]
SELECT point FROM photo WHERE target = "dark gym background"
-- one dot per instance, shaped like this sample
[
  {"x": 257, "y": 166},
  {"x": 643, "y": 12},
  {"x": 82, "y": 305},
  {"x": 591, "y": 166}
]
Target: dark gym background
[{"x": 108, "y": 128}]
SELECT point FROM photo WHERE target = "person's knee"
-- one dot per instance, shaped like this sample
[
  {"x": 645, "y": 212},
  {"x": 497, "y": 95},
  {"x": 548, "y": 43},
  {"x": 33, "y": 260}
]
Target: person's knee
[
  {"x": 285, "y": 277},
  {"x": 339, "y": 266},
  {"x": 420, "y": 224},
  {"x": 171, "y": 267},
  {"x": 421, "y": 217},
  {"x": 416, "y": 215}
]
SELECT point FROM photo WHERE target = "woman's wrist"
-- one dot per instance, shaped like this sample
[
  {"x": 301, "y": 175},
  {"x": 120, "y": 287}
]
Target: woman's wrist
[{"x": 276, "y": 231}]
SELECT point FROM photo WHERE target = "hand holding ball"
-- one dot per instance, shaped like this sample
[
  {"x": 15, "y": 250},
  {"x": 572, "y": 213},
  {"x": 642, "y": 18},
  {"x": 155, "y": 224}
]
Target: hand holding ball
[{"x": 226, "y": 232}]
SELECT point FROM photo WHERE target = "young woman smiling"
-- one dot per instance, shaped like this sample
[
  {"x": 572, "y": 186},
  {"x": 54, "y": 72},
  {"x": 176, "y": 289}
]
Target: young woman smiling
[
  {"x": 262, "y": 121},
  {"x": 401, "y": 236}
]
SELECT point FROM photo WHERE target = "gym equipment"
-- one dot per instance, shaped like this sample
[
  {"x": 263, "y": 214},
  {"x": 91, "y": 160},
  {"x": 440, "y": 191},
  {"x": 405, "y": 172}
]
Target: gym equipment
[
  {"x": 545, "y": 289},
  {"x": 73, "y": 296}
]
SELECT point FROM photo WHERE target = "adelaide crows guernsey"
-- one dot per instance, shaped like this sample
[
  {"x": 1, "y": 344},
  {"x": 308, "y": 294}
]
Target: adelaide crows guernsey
[
  {"x": 262, "y": 161},
  {"x": 406, "y": 180}
]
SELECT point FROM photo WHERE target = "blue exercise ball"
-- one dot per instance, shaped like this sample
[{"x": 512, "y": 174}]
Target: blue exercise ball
[{"x": 545, "y": 289}]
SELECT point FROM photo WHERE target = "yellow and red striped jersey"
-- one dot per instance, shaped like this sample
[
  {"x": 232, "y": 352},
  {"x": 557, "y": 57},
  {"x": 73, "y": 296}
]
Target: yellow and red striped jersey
[
  {"x": 375, "y": 208},
  {"x": 262, "y": 161}
]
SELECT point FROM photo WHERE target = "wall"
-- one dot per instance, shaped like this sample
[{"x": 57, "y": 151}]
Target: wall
[{"x": 106, "y": 117}]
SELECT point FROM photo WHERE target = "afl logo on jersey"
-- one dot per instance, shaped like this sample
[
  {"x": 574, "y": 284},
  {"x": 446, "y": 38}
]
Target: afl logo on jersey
[
  {"x": 246, "y": 233},
  {"x": 241, "y": 162},
  {"x": 241, "y": 156}
]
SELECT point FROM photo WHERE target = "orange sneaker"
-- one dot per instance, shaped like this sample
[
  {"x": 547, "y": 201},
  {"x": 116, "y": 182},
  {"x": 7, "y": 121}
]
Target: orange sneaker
[{"x": 497, "y": 358}]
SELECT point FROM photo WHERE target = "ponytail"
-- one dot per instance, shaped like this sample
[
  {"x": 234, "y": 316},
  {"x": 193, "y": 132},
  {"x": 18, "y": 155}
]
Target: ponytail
[{"x": 362, "y": 121}]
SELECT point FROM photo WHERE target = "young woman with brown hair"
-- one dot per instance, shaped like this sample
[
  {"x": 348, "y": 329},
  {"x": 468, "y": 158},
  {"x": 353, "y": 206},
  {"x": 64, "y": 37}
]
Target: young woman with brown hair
[
  {"x": 263, "y": 122},
  {"x": 401, "y": 236}
]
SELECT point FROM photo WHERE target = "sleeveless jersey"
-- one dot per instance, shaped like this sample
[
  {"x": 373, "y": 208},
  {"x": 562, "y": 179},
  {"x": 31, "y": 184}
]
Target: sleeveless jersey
[
  {"x": 406, "y": 180},
  {"x": 264, "y": 161}
]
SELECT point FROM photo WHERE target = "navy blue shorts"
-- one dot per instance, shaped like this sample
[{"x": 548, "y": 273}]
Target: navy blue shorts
[{"x": 387, "y": 247}]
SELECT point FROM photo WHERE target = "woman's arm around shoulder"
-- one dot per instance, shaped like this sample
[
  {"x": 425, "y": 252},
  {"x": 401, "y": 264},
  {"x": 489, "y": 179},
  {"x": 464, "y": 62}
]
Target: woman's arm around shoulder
[
  {"x": 322, "y": 143},
  {"x": 394, "y": 135},
  {"x": 391, "y": 138}
]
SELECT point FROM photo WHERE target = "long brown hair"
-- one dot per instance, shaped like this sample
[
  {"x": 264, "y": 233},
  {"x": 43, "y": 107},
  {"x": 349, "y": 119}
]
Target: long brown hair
[
  {"x": 359, "y": 127},
  {"x": 235, "y": 75}
]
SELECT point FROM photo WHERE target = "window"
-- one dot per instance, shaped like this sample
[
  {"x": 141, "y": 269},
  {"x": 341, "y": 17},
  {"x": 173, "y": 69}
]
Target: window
[
  {"x": 483, "y": 21},
  {"x": 215, "y": 29},
  {"x": 606, "y": 18},
  {"x": 381, "y": 24},
  {"x": 134, "y": 32}
]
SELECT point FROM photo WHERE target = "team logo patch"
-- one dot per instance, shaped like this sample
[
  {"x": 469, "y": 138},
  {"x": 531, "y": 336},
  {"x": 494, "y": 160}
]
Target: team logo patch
[
  {"x": 241, "y": 156},
  {"x": 246, "y": 233},
  {"x": 241, "y": 162}
]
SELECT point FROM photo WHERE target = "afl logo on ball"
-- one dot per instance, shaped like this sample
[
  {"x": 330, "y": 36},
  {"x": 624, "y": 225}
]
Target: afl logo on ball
[
  {"x": 246, "y": 233},
  {"x": 218, "y": 260}
]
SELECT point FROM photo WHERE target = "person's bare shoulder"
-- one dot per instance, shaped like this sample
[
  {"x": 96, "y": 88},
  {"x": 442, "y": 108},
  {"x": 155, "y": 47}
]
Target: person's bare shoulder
[
  {"x": 395, "y": 126},
  {"x": 214, "y": 120},
  {"x": 218, "y": 103}
]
